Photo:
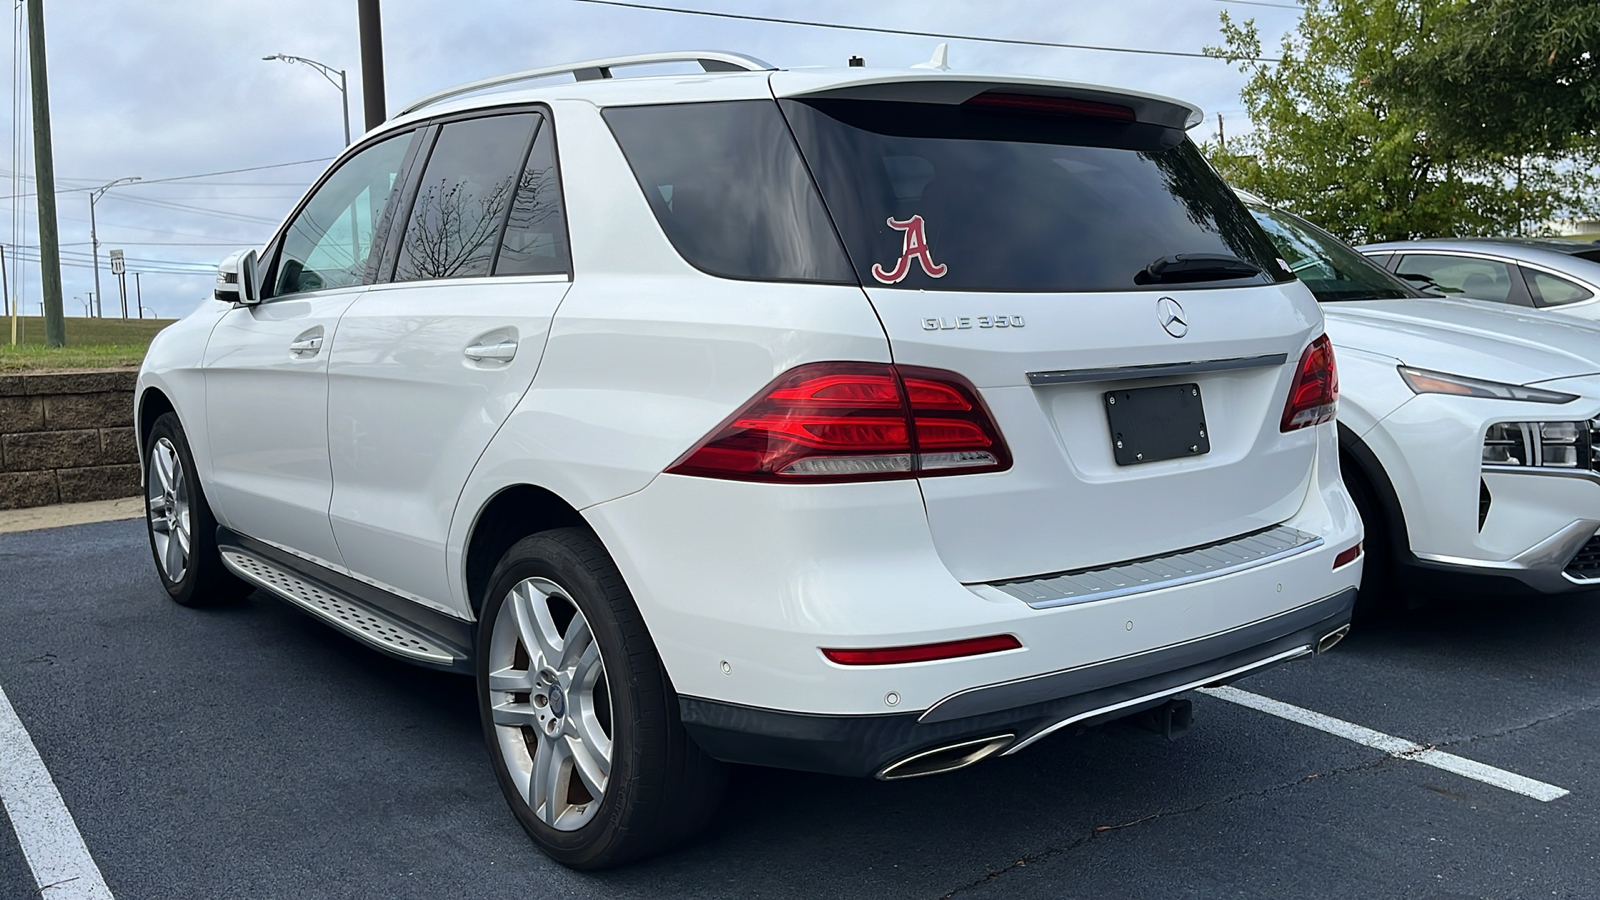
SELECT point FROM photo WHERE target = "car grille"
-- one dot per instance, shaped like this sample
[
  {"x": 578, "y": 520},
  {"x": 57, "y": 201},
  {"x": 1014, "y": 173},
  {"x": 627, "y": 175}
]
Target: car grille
[{"x": 1586, "y": 564}]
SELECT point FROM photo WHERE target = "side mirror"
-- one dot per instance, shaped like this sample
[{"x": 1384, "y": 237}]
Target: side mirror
[{"x": 236, "y": 279}]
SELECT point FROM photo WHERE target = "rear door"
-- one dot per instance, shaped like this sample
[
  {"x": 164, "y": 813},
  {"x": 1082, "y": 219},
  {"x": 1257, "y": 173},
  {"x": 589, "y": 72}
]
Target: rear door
[
  {"x": 1066, "y": 258},
  {"x": 426, "y": 367}
]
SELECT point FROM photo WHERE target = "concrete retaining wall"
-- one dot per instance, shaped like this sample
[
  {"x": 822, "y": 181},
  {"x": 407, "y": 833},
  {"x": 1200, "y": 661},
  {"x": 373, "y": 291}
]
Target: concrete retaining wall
[{"x": 67, "y": 437}]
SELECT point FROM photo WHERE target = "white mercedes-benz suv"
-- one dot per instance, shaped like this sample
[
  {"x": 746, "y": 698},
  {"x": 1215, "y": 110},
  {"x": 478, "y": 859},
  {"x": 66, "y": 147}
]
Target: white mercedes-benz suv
[{"x": 857, "y": 421}]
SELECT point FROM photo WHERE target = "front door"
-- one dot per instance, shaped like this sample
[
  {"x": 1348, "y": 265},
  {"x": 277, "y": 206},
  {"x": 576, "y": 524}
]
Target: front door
[
  {"x": 427, "y": 367},
  {"x": 266, "y": 365}
]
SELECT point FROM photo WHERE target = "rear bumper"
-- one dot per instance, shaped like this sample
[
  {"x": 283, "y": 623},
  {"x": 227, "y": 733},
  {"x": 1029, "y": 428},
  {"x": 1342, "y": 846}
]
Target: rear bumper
[{"x": 1027, "y": 708}]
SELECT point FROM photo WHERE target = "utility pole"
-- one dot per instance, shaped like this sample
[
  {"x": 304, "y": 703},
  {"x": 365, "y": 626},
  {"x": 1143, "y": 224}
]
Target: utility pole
[
  {"x": 55, "y": 325},
  {"x": 371, "y": 62},
  {"x": 1222, "y": 136},
  {"x": 138, "y": 294}
]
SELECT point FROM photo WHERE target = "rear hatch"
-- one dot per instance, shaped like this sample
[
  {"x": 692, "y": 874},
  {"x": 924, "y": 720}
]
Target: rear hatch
[{"x": 1059, "y": 247}]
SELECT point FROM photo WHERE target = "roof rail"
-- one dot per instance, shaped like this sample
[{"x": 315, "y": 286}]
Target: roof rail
[{"x": 596, "y": 69}]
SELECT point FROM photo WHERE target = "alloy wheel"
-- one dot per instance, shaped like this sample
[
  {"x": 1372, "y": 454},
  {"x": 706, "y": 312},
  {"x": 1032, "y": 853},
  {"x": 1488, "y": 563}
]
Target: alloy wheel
[
  {"x": 167, "y": 489},
  {"x": 550, "y": 703}
]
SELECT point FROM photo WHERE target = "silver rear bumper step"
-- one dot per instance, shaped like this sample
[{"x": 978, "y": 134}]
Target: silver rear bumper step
[
  {"x": 1153, "y": 574},
  {"x": 356, "y": 619}
]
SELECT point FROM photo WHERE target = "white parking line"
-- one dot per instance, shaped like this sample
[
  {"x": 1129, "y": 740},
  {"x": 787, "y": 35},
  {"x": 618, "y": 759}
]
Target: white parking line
[
  {"x": 1396, "y": 747},
  {"x": 62, "y": 867}
]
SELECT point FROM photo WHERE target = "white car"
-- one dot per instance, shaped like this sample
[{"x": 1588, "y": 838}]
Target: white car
[
  {"x": 1555, "y": 274},
  {"x": 1469, "y": 430},
  {"x": 863, "y": 422}
]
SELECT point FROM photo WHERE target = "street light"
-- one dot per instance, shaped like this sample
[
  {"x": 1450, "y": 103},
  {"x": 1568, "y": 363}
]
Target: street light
[
  {"x": 327, "y": 72},
  {"x": 94, "y": 239}
]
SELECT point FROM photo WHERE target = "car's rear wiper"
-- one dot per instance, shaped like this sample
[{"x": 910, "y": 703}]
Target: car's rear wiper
[{"x": 1182, "y": 267}]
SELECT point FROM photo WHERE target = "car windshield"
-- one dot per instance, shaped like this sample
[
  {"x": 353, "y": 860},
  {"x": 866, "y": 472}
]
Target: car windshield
[{"x": 1333, "y": 271}]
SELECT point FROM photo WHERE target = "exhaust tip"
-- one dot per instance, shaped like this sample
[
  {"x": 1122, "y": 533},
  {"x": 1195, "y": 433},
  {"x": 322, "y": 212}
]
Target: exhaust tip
[
  {"x": 945, "y": 759},
  {"x": 1331, "y": 638}
]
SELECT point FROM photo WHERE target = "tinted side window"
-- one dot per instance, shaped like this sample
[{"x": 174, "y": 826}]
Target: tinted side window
[
  {"x": 727, "y": 184},
  {"x": 535, "y": 241},
  {"x": 1460, "y": 276},
  {"x": 327, "y": 244},
  {"x": 1548, "y": 290},
  {"x": 463, "y": 197}
]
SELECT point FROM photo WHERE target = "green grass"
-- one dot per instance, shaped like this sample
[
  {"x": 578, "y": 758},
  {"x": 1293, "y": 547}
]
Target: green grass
[{"x": 91, "y": 344}]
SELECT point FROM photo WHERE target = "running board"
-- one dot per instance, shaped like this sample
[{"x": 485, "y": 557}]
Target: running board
[{"x": 359, "y": 620}]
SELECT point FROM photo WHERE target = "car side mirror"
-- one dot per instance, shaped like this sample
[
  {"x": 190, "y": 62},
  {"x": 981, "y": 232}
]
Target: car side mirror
[{"x": 236, "y": 279}]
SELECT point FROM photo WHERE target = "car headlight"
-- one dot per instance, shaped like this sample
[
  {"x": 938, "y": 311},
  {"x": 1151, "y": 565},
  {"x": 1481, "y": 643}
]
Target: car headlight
[
  {"x": 1554, "y": 445},
  {"x": 1424, "y": 381}
]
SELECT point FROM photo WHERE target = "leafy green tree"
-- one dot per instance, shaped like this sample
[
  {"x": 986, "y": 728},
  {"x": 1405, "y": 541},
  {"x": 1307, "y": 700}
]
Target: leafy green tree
[
  {"x": 1332, "y": 144},
  {"x": 1513, "y": 77}
]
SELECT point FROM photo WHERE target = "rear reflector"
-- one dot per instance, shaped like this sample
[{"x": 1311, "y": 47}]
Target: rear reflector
[
  {"x": 1347, "y": 556},
  {"x": 1314, "y": 394},
  {"x": 1049, "y": 106},
  {"x": 853, "y": 421},
  {"x": 888, "y": 656}
]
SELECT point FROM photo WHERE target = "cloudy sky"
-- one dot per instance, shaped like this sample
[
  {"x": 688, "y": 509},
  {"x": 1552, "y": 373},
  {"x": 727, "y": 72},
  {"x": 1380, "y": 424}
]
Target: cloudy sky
[{"x": 177, "y": 88}]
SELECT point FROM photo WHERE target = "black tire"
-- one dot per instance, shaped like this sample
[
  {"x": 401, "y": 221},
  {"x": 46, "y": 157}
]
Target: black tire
[
  {"x": 203, "y": 581},
  {"x": 1382, "y": 593},
  {"x": 662, "y": 788}
]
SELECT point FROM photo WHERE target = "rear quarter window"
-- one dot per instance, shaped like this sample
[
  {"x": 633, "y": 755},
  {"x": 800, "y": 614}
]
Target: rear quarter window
[{"x": 730, "y": 190}]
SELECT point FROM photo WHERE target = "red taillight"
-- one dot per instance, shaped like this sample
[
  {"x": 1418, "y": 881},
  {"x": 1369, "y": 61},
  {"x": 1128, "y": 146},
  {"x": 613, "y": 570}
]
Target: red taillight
[
  {"x": 1050, "y": 106},
  {"x": 852, "y": 421},
  {"x": 1347, "y": 556},
  {"x": 888, "y": 656},
  {"x": 1314, "y": 395}
]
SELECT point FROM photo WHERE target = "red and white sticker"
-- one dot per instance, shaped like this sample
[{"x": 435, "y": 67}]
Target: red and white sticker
[{"x": 914, "y": 247}]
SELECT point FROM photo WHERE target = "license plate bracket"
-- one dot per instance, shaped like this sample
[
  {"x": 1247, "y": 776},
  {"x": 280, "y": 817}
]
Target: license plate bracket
[{"x": 1156, "y": 423}]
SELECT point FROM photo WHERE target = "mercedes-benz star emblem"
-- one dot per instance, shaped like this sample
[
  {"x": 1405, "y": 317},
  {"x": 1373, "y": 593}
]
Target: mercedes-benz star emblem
[{"x": 1171, "y": 317}]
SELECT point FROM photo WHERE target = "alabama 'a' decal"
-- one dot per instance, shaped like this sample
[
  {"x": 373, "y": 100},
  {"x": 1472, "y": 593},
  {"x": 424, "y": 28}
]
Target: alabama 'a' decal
[{"x": 914, "y": 247}]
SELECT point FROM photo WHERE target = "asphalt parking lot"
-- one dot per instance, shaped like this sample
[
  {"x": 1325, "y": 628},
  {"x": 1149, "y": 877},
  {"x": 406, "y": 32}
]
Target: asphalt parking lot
[{"x": 249, "y": 751}]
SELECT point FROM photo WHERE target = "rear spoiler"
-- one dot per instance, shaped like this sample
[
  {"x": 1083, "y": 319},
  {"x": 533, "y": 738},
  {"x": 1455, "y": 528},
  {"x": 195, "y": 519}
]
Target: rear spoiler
[{"x": 992, "y": 91}]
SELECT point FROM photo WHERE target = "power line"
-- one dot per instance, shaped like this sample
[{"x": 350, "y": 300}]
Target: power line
[
  {"x": 1262, "y": 3},
  {"x": 906, "y": 32}
]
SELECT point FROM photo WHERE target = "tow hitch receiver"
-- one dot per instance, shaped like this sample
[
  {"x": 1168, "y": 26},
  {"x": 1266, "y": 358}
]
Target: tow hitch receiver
[{"x": 1171, "y": 719}]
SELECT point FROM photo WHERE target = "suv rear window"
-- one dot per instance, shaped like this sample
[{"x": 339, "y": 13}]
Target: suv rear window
[{"x": 1012, "y": 201}]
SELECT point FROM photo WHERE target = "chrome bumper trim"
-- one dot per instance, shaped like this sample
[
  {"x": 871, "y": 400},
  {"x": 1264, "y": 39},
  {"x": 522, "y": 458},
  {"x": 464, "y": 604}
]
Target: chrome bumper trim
[{"x": 1285, "y": 656}]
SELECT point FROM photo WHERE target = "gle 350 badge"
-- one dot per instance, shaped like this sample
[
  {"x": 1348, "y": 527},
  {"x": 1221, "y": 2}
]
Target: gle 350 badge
[{"x": 953, "y": 323}]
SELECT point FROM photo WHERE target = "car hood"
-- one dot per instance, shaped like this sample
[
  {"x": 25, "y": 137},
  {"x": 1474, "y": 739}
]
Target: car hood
[{"x": 1465, "y": 337}]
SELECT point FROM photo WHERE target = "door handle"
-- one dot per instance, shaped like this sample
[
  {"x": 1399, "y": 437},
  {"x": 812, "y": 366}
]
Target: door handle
[
  {"x": 309, "y": 345},
  {"x": 502, "y": 351}
]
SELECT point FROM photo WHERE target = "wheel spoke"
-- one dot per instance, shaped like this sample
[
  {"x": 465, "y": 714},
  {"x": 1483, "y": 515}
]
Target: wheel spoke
[
  {"x": 591, "y": 769},
  {"x": 538, "y": 630},
  {"x": 575, "y": 644},
  {"x": 514, "y": 714},
  {"x": 509, "y": 679},
  {"x": 163, "y": 465},
  {"x": 552, "y": 769},
  {"x": 174, "y": 559}
]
